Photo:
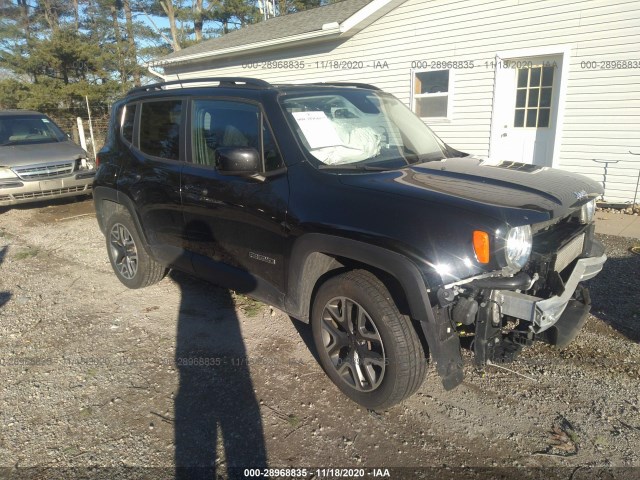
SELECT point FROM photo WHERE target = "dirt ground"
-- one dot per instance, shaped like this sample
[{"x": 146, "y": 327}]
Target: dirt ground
[{"x": 98, "y": 379}]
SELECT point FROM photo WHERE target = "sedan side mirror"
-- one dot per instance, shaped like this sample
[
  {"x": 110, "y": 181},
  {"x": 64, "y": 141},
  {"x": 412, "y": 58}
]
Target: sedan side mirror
[{"x": 241, "y": 161}]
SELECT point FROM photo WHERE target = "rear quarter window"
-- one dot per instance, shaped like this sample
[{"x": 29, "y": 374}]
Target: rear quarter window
[{"x": 127, "y": 122}]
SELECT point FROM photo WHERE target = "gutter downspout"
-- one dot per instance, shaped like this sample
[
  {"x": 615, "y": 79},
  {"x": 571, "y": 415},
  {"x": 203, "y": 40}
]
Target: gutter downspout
[{"x": 156, "y": 74}]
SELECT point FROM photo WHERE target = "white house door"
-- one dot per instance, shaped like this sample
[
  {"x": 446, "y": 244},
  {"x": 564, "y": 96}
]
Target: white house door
[{"x": 523, "y": 128}]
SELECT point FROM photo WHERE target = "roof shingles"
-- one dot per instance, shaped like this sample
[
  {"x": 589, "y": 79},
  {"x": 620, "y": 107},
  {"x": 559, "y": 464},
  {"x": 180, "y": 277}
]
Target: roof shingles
[{"x": 277, "y": 27}]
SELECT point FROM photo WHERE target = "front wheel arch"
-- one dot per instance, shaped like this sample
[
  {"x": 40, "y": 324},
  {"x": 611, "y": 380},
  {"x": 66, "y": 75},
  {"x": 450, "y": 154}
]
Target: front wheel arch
[
  {"x": 316, "y": 257},
  {"x": 315, "y": 254}
]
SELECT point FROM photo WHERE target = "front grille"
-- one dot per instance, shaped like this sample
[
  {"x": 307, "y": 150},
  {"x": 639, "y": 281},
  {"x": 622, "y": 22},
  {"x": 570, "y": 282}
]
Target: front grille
[
  {"x": 51, "y": 193},
  {"x": 569, "y": 253},
  {"x": 43, "y": 171}
]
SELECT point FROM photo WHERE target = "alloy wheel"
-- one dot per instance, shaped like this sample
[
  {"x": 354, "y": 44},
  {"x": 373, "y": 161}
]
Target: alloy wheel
[
  {"x": 353, "y": 344},
  {"x": 123, "y": 251}
]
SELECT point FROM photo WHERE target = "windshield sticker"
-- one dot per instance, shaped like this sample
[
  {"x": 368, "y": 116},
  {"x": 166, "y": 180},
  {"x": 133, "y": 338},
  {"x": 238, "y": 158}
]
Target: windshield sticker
[{"x": 317, "y": 129}]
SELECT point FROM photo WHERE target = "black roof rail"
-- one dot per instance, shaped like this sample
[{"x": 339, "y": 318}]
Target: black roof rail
[
  {"x": 344, "y": 84},
  {"x": 222, "y": 81}
]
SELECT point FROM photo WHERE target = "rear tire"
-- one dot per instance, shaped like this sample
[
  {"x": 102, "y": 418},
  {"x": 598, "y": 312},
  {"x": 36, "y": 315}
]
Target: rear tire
[
  {"x": 130, "y": 261},
  {"x": 365, "y": 345}
]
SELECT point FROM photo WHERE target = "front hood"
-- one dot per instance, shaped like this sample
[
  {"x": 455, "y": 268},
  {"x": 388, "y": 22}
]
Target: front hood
[
  {"x": 474, "y": 184},
  {"x": 17, "y": 155}
]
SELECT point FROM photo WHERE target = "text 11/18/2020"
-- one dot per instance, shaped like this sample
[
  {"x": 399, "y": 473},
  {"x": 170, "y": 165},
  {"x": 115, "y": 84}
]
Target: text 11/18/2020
[{"x": 328, "y": 473}]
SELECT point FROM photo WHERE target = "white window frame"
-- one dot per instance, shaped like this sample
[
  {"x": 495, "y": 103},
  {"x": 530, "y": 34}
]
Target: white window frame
[{"x": 449, "y": 94}]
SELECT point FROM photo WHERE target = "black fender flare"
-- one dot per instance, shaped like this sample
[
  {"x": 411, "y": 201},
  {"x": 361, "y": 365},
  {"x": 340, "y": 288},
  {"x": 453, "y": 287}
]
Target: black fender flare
[
  {"x": 395, "y": 264},
  {"x": 442, "y": 339},
  {"x": 101, "y": 194}
]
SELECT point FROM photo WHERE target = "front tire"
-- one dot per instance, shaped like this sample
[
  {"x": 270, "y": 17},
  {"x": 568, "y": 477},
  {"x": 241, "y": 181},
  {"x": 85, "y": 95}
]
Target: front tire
[
  {"x": 131, "y": 263},
  {"x": 365, "y": 345}
]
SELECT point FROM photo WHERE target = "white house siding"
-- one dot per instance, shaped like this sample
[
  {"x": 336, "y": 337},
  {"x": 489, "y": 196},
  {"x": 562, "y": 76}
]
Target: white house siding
[{"x": 602, "y": 107}]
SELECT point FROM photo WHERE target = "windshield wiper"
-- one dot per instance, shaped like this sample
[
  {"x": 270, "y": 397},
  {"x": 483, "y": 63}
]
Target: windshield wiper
[
  {"x": 413, "y": 158},
  {"x": 356, "y": 166}
]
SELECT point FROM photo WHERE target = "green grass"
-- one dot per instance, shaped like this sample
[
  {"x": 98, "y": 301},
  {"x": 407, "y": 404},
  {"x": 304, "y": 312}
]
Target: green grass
[
  {"x": 293, "y": 420},
  {"x": 29, "y": 253},
  {"x": 249, "y": 307},
  {"x": 86, "y": 412},
  {"x": 573, "y": 436}
]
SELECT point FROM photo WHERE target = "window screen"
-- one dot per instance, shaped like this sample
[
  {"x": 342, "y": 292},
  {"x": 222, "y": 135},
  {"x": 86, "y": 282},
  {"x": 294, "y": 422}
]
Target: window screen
[{"x": 160, "y": 128}]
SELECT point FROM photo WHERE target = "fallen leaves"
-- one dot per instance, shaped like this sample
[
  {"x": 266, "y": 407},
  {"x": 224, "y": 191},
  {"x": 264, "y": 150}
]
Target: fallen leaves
[{"x": 563, "y": 440}]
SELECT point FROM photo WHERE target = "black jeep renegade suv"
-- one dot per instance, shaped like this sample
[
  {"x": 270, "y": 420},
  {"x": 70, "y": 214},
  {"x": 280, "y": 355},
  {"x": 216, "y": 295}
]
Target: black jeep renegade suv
[{"x": 337, "y": 205}]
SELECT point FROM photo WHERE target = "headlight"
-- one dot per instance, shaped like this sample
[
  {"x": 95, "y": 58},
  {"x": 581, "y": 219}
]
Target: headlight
[
  {"x": 587, "y": 211},
  {"x": 6, "y": 172},
  {"x": 518, "y": 248},
  {"x": 85, "y": 164}
]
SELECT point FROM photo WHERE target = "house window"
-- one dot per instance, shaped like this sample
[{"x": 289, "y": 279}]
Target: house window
[
  {"x": 534, "y": 90},
  {"x": 431, "y": 94}
]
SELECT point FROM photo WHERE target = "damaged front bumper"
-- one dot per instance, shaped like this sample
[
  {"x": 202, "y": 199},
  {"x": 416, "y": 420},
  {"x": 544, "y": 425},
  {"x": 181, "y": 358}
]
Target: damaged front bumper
[
  {"x": 544, "y": 313},
  {"x": 555, "y": 320},
  {"x": 501, "y": 319},
  {"x": 496, "y": 313}
]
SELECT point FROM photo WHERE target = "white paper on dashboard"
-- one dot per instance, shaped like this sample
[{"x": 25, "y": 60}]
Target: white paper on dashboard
[{"x": 317, "y": 129}]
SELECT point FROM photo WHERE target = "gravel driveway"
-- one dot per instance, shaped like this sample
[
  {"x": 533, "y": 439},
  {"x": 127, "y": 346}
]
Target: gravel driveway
[{"x": 96, "y": 375}]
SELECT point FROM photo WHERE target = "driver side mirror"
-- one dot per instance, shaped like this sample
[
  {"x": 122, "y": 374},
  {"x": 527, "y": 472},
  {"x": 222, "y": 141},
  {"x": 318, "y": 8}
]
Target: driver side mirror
[{"x": 241, "y": 161}]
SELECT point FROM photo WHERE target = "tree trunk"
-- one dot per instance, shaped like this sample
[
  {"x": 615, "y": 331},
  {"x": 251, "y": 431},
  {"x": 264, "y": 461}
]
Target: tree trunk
[
  {"x": 167, "y": 6},
  {"x": 76, "y": 15},
  {"x": 198, "y": 19},
  {"x": 50, "y": 15},
  {"x": 118, "y": 37},
  {"x": 24, "y": 13},
  {"x": 133, "y": 53}
]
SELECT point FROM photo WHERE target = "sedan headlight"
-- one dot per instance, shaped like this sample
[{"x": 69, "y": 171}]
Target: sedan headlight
[
  {"x": 518, "y": 247},
  {"x": 85, "y": 164},
  {"x": 587, "y": 211},
  {"x": 6, "y": 172}
]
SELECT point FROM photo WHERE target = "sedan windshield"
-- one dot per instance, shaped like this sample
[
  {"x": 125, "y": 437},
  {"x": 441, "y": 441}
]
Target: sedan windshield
[
  {"x": 28, "y": 129},
  {"x": 361, "y": 130}
]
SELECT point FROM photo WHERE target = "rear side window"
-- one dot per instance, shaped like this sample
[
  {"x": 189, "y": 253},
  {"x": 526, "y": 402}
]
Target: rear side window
[
  {"x": 127, "y": 122},
  {"x": 160, "y": 124}
]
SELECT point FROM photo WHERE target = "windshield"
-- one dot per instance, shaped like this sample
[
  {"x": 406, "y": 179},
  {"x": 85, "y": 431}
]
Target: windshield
[
  {"x": 28, "y": 129},
  {"x": 356, "y": 128}
]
